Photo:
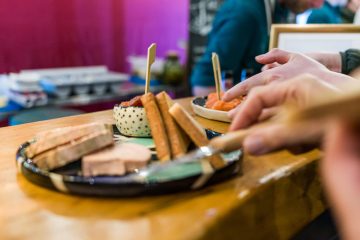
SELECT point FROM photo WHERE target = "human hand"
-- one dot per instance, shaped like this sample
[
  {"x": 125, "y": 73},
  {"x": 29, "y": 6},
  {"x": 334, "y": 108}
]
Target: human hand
[
  {"x": 340, "y": 169},
  {"x": 331, "y": 61},
  {"x": 301, "y": 91},
  {"x": 282, "y": 66}
]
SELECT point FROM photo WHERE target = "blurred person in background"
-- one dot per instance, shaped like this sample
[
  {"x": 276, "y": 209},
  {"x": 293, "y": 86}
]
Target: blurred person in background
[
  {"x": 348, "y": 13},
  {"x": 329, "y": 13},
  {"x": 240, "y": 32},
  {"x": 334, "y": 12}
]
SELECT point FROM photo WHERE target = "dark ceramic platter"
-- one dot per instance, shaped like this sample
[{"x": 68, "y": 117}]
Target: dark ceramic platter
[{"x": 69, "y": 180}]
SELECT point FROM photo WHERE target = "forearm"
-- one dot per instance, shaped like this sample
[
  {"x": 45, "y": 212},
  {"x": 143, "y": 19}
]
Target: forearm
[
  {"x": 333, "y": 61},
  {"x": 336, "y": 78}
]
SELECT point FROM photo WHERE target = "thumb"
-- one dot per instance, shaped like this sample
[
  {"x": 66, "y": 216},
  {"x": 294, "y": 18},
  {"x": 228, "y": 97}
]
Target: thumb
[
  {"x": 277, "y": 136},
  {"x": 274, "y": 56}
]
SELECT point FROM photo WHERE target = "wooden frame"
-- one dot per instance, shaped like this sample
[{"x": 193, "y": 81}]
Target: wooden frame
[{"x": 276, "y": 29}]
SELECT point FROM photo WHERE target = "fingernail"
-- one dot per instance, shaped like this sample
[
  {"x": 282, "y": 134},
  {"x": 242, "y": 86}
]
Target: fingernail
[{"x": 255, "y": 145}]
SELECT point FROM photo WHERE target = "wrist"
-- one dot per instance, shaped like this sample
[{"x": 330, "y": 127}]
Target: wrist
[{"x": 335, "y": 62}]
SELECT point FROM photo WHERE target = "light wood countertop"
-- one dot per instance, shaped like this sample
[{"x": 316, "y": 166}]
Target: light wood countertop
[{"x": 277, "y": 195}]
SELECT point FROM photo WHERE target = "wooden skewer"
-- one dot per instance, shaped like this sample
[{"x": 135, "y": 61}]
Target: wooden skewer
[
  {"x": 151, "y": 54},
  {"x": 217, "y": 73}
]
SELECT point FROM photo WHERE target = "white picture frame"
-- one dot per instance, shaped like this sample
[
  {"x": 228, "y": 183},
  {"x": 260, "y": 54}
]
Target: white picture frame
[{"x": 314, "y": 37}]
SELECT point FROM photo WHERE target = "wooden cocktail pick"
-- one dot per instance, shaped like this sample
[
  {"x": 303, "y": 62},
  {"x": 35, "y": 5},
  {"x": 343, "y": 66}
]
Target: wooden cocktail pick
[
  {"x": 151, "y": 54},
  {"x": 217, "y": 73}
]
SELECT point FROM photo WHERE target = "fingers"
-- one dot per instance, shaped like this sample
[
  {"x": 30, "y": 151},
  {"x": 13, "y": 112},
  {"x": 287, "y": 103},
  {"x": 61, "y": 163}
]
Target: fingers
[
  {"x": 273, "y": 59},
  {"x": 233, "y": 112},
  {"x": 270, "y": 66},
  {"x": 274, "y": 56},
  {"x": 258, "y": 100},
  {"x": 268, "y": 113},
  {"x": 265, "y": 114},
  {"x": 244, "y": 87},
  {"x": 263, "y": 141}
]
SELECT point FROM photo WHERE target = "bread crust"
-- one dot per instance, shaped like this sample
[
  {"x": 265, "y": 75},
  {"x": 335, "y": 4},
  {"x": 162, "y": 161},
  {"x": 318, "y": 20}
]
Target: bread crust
[
  {"x": 179, "y": 141},
  {"x": 157, "y": 126},
  {"x": 64, "y": 154},
  {"x": 45, "y": 141},
  {"x": 195, "y": 131}
]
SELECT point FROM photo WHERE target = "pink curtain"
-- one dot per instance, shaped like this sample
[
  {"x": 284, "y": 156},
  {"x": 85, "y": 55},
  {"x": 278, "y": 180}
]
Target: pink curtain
[{"x": 59, "y": 33}]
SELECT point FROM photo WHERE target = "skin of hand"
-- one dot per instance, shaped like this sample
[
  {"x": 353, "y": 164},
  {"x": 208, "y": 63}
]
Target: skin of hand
[
  {"x": 331, "y": 61},
  {"x": 340, "y": 171},
  {"x": 300, "y": 91},
  {"x": 288, "y": 65}
]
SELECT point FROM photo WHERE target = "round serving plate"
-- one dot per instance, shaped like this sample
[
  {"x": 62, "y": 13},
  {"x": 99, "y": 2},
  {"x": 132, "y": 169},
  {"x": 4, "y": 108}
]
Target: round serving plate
[
  {"x": 180, "y": 177},
  {"x": 198, "y": 105}
]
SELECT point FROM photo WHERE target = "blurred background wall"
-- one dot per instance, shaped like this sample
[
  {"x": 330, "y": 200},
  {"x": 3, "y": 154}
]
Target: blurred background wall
[{"x": 53, "y": 33}]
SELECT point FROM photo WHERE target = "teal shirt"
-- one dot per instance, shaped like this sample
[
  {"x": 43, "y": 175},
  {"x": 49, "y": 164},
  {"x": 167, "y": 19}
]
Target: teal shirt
[
  {"x": 327, "y": 14},
  {"x": 239, "y": 34}
]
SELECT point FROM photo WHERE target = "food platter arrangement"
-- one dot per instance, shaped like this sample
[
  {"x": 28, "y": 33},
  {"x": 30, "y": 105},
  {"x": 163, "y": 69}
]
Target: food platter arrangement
[{"x": 155, "y": 147}]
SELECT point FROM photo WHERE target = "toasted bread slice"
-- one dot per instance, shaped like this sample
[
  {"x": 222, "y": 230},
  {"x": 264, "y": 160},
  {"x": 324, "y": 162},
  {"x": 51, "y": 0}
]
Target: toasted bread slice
[
  {"x": 195, "y": 131},
  {"x": 157, "y": 127},
  {"x": 64, "y": 154},
  {"x": 179, "y": 141},
  {"x": 45, "y": 141}
]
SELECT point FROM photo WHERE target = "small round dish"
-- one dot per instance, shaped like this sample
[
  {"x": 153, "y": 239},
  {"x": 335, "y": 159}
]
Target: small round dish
[
  {"x": 131, "y": 121},
  {"x": 177, "y": 178},
  {"x": 198, "y": 105}
]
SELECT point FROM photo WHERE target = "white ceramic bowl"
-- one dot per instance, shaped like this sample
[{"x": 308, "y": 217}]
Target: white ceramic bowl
[
  {"x": 132, "y": 121},
  {"x": 198, "y": 105}
]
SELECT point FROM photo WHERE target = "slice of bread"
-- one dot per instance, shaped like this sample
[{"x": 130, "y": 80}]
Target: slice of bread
[
  {"x": 179, "y": 141},
  {"x": 47, "y": 140},
  {"x": 64, "y": 154},
  {"x": 195, "y": 131},
  {"x": 157, "y": 127}
]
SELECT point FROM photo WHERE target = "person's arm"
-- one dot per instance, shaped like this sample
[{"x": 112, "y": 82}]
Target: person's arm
[
  {"x": 230, "y": 42},
  {"x": 331, "y": 61},
  {"x": 350, "y": 60},
  {"x": 340, "y": 171}
]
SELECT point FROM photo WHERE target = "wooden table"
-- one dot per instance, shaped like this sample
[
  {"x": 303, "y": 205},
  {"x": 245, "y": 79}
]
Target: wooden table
[{"x": 277, "y": 195}]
